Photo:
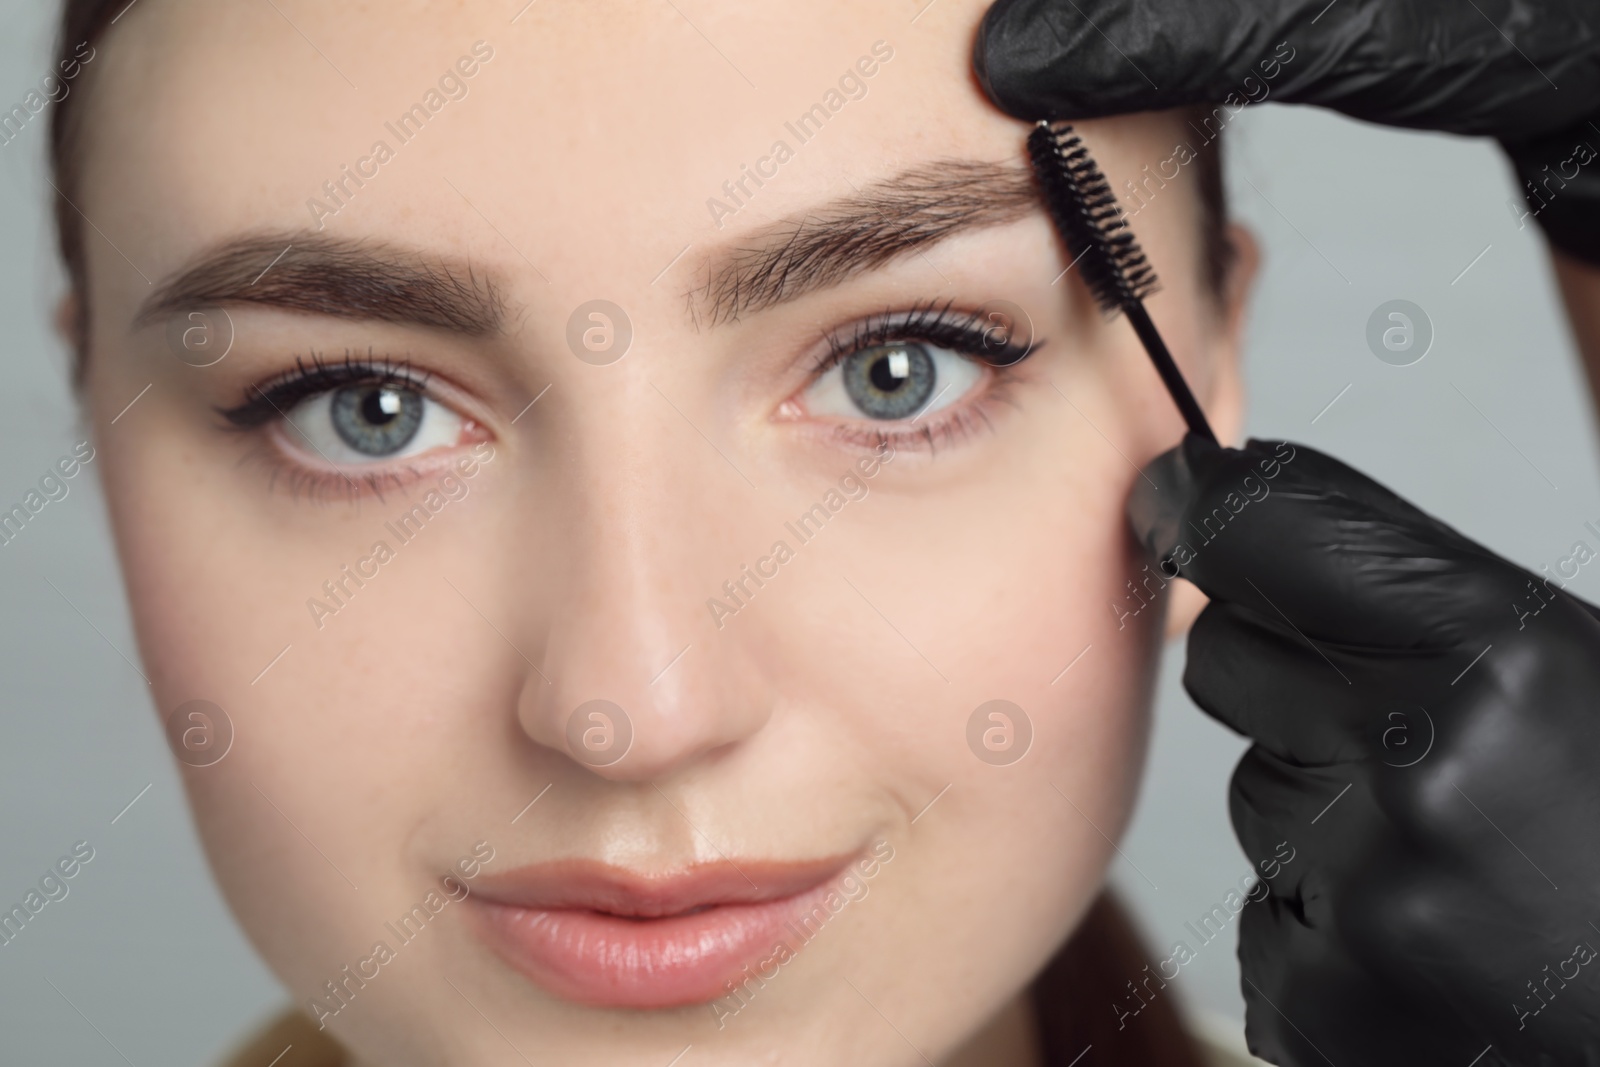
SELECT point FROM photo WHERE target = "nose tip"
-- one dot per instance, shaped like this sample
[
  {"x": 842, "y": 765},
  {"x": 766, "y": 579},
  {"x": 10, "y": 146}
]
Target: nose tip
[
  {"x": 597, "y": 734},
  {"x": 641, "y": 731}
]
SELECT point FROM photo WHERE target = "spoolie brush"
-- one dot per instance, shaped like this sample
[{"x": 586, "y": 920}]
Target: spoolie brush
[{"x": 1096, "y": 232}]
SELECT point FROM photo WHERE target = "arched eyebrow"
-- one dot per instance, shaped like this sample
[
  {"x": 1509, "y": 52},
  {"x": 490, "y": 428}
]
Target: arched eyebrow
[
  {"x": 365, "y": 279},
  {"x": 343, "y": 277},
  {"x": 881, "y": 222}
]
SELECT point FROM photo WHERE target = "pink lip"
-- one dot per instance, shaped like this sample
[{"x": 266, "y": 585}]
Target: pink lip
[{"x": 606, "y": 936}]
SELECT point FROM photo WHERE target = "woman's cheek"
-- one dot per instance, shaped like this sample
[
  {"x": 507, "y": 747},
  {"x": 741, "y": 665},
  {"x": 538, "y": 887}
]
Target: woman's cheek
[
  {"x": 1030, "y": 765},
  {"x": 217, "y": 603}
]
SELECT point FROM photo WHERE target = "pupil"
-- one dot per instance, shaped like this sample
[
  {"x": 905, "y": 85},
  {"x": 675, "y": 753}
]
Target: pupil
[
  {"x": 379, "y": 407},
  {"x": 883, "y": 378},
  {"x": 890, "y": 381},
  {"x": 376, "y": 420}
]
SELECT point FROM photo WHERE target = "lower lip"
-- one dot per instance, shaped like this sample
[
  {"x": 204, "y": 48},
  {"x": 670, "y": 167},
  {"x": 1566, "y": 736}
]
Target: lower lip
[{"x": 602, "y": 960}]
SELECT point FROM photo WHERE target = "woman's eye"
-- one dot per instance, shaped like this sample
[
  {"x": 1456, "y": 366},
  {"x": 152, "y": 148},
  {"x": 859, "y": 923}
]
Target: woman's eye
[
  {"x": 362, "y": 423},
  {"x": 889, "y": 382}
]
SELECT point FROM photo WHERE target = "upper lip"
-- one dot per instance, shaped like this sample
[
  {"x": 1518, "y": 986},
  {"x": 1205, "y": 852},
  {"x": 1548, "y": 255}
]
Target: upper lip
[{"x": 588, "y": 885}]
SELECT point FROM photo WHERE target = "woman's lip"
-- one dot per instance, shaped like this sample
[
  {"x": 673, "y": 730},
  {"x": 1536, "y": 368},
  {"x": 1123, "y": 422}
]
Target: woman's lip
[
  {"x": 591, "y": 886},
  {"x": 609, "y": 937}
]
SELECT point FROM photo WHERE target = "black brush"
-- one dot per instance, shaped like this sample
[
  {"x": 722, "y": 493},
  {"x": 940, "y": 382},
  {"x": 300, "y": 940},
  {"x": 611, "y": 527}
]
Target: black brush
[{"x": 1112, "y": 264}]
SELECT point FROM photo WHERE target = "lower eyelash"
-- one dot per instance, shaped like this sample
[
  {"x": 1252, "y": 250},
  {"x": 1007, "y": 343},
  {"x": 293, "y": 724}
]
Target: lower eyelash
[
  {"x": 961, "y": 332},
  {"x": 263, "y": 413},
  {"x": 947, "y": 427},
  {"x": 326, "y": 486}
]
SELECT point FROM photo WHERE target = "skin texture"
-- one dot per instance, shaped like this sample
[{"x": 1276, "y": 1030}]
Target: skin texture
[{"x": 828, "y": 713}]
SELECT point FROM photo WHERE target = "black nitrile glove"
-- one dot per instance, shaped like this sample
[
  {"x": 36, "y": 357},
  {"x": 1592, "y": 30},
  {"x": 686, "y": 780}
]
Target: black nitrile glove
[
  {"x": 1424, "y": 786},
  {"x": 1524, "y": 71}
]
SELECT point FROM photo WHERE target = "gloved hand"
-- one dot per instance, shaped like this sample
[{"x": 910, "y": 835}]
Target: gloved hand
[
  {"x": 1426, "y": 719},
  {"x": 1480, "y": 67}
]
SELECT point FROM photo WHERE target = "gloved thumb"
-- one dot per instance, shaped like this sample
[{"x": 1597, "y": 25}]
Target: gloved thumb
[{"x": 1304, "y": 540}]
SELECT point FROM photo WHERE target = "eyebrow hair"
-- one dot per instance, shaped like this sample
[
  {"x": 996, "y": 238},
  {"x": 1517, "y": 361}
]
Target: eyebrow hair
[
  {"x": 888, "y": 219},
  {"x": 342, "y": 277}
]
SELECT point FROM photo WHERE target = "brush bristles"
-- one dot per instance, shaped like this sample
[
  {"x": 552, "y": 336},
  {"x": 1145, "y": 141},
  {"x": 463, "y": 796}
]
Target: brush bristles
[{"x": 1089, "y": 218}]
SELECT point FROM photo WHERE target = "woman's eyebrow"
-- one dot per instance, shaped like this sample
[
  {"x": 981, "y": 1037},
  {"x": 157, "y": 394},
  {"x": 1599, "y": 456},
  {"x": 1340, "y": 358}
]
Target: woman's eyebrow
[
  {"x": 338, "y": 276},
  {"x": 887, "y": 219}
]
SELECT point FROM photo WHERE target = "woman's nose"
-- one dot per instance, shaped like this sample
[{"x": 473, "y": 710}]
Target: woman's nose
[{"x": 634, "y": 681}]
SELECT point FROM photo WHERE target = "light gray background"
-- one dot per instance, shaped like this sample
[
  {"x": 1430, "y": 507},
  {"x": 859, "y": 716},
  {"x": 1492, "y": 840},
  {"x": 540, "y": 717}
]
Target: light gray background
[{"x": 141, "y": 963}]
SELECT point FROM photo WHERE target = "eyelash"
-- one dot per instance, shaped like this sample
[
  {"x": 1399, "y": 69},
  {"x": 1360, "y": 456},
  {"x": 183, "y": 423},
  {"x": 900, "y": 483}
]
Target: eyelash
[
  {"x": 271, "y": 401},
  {"x": 964, "y": 332},
  {"x": 311, "y": 377}
]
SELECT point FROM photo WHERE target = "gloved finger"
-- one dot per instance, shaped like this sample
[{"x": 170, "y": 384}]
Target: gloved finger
[
  {"x": 1308, "y": 1003},
  {"x": 1472, "y": 68},
  {"x": 1256, "y": 676},
  {"x": 1278, "y": 953},
  {"x": 1292, "y": 532},
  {"x": 1050, "y": 59},
  {"x": 1348, "y": 903},
  {"x": 1284, "y": 819}
]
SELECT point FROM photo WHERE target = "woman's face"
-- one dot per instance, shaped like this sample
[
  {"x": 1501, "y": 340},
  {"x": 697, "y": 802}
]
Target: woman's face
[{"x": 534, "y": 398}]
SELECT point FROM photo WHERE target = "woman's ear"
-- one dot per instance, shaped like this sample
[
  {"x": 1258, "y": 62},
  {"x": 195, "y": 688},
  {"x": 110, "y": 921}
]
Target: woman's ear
[
  {"x": 1224, "y": 399},
  {"x": 73, "y": 329},
  {"x": 68, "y": 322},
  {"x": 66, "y": 318},
  {"x": 1241, "y": 281},
  {"x": 1224, "y": 402}
]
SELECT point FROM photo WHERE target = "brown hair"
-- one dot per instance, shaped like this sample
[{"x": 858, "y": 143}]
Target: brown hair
[
  {"x": 1073, "y": 995},
  {"x": 82, "y": 22},
  {"x": 1085, "y": 1009}
]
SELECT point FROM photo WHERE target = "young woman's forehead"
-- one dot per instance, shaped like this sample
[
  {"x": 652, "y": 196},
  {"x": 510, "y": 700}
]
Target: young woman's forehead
[
  {"x": 614, "y": 133},
  {"x": 622, "y": 83}
]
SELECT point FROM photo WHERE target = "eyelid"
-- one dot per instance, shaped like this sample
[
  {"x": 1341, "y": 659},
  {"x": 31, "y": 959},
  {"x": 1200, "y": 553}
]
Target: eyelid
[
  {"x": 964, "y": 332},
  {"x": 274, "y": 398},
  {"x": 265, "y": 410}
]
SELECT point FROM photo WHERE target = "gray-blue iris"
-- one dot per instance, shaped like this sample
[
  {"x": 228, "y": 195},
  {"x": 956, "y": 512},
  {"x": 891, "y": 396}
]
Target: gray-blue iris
[
  {"x": 377, "y": 420},
  {"x": 890, "y": 381}
]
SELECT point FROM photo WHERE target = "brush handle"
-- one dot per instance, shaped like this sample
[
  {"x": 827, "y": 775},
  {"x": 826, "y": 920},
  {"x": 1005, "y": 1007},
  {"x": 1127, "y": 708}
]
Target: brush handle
[{"x": 1168, "y": 369}]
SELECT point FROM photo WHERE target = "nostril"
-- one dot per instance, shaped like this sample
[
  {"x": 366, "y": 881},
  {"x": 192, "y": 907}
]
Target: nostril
[
  {"x": 533, "y": 712},
  {"x": 596, "y": 733}
]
